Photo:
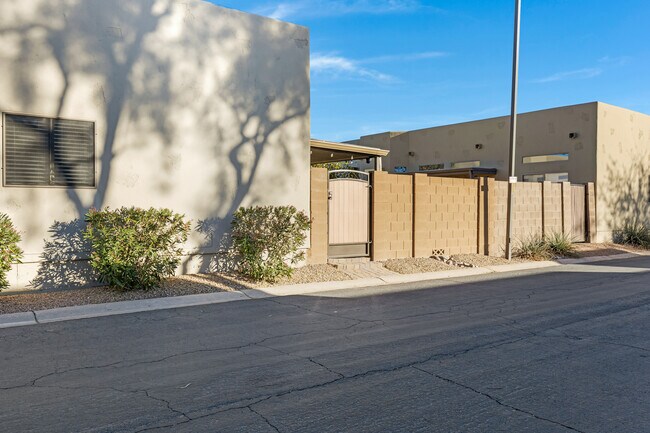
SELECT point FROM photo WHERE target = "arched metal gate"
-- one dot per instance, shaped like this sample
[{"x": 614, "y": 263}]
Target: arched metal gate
[{"x": 349, "y": 213}]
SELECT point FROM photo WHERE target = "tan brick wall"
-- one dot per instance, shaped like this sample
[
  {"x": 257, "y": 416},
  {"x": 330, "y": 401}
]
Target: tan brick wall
[
  {"x": 527, "y": 216},
  {"x": 446, "y": 215},
  {"x": 497, "y": 216},
  {"x": 392, "y": 216},
  {"x": 552, "y": 199},
  {"x": 318, "y": 208},
  {"x": 415, "y": 215}
]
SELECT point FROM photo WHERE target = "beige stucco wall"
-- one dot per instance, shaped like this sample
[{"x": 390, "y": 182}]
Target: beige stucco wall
[
  {"x": 623, "y": 186},
  {"x": 198, "y": 108},
  {"x": 539, "y": 133}
]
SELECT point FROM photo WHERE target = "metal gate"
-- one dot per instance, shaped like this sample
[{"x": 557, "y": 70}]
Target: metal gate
[
  {"x": 349, "y": 213},
  {"x": 578, "y": 213}
]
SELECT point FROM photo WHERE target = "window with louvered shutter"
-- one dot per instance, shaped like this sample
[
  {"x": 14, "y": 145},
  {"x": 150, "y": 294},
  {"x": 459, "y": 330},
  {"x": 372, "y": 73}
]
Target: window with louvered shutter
[{"x": 40, "y": 151}]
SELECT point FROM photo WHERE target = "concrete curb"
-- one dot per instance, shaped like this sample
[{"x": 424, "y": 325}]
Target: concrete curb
[
  {"x": 17, "y": 319},
  {"x": 128, "y": 307}
]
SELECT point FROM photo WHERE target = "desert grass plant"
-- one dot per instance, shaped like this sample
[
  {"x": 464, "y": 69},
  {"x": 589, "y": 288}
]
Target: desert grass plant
[
  {"x": 560, "y": 244},
  {"x": 635, "y": 234},
  {"x": 266, "y": 240},
  {"x": 135, "y": 248},
  {"x": 10, "y": 252},
  {"x": 533, "y": 247}
]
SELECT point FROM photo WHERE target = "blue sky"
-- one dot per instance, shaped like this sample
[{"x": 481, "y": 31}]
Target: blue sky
[{"x": 380, "y": 65}]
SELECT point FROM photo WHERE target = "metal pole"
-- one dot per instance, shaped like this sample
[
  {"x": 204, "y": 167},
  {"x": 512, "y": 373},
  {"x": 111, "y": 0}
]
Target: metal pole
[{"x": 512, "y": 179}]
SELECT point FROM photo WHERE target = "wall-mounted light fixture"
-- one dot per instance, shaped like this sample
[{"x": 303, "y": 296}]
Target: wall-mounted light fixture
[
  {"x": 478, "y": 146},
  {"x": 573, "y": 135},
  {"x": 411, "y": 153}
]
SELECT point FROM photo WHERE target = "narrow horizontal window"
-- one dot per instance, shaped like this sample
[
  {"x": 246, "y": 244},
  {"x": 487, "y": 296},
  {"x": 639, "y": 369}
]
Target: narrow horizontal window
[
  {"x": 549, "y": 177},
  {"x": 534, "y": 178},
  {"x": 42, "y": 151},
  {"x": 557, "y": 177},
  {"x": 546, "y": 158},
  {"x": 466, "y": 164},
  {"x": 431, "y": 167}
]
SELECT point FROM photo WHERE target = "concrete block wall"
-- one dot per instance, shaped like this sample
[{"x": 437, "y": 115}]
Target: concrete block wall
[
  {"x": 392, "y": 216},
  {"x": 319, "y": 222},
  {"x": 446, "y": 215},
  {"x": 552, "y": 208}
]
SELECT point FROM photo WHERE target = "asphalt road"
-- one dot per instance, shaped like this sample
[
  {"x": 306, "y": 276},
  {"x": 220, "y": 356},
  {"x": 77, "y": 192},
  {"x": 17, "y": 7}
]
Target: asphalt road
[{"x": 561, "y": 350}]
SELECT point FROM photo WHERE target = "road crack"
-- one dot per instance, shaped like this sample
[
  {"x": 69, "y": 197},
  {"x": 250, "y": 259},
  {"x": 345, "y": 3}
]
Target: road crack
[{"x": 497, "y": 400}]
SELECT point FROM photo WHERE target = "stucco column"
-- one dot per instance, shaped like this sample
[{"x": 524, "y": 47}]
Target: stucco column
[{"x": 592, "y": 227}]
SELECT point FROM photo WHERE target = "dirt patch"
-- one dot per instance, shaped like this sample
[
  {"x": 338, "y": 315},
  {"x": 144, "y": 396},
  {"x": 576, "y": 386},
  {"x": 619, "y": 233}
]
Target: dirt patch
[
  {"x": 608, "y": 249},
  {"x": 175, "y": 286},
  {"x": 479, "y": 260},
  {"x": 416, "y": 266}
]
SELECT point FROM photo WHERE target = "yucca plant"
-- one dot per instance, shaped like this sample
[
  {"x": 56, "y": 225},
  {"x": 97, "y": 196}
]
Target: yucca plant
[
  {"x": 560, "y": 244},
  {"x": 635, "y": 233},
  {"x": 533, "y": 247}
]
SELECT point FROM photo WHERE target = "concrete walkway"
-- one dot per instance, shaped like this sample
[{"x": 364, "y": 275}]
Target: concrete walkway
[{"x": 129, "y": 307}]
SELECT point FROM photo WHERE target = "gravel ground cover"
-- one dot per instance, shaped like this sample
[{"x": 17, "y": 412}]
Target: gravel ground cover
[
  {"x": 176, "y": 286},
  {"x": 481, "y": 260},
  {"x": 608, "y": 249},
  {"x": 416, "y": 265}
]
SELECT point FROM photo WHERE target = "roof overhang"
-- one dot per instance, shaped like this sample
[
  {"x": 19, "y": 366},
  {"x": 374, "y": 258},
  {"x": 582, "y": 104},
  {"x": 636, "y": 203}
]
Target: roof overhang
[
  {"x": 464, "y": 173},
  {"x": 328, "y": 151}
]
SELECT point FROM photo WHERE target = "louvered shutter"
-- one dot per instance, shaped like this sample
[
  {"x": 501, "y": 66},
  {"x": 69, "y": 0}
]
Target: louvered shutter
[
  {"x": 73, "y": 153},
  {"x": 26, "y": 150},
  {"x": 48, "y": 152}
]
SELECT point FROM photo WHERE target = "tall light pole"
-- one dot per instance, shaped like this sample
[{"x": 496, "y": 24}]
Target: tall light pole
[{"x": 512, "y": 177}]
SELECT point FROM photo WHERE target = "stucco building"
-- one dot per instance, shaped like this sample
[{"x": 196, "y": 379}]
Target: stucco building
[
  {"x": 594, "y": 142},
  {"x": 164, "y": 103}
]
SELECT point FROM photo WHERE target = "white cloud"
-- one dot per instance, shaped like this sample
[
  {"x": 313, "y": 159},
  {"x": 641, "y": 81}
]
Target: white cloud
[
  {"x": 405, "y": 57},
  {"x": 320, "y": 8},
  {"x": 579, "y": 74},
  {"x": 337, "y": 65}
]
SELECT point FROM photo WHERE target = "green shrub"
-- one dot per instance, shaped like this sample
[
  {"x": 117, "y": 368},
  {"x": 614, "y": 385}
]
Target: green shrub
[
  {"x": 135, "y": 248},
  {"x": 10, "y": 252},
  {"x": 634, "y": 233},
  {"x": 560, "y": 244},
  {"x": 266, "y": 240},
  {"x": 533, "y": 247}
]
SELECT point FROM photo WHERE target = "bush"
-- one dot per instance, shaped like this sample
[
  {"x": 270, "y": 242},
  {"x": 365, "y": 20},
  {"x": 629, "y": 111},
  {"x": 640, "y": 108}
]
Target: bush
[
  {"x": 10, "y": 252},
  {"x": 635, "y": 234},
  {"x": 533, "y": 247},
  {"x": 134, "y": 248},
  {"x": 266, "y": 240},
  {"x": 560, "y": 244}
]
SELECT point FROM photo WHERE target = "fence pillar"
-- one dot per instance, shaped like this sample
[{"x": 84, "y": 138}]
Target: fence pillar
[
  {"x": 379, "y": 223},
  {"x": 592, "y": 228},
  {"x": 566, "y": 208},
  {"x": 318, "y": 208},
  {"x": 490, "y": 202}
]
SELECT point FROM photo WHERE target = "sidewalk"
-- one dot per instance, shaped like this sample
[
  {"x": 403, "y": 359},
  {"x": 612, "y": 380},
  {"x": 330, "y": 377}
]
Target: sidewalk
[{"x": 129, "y": 307}]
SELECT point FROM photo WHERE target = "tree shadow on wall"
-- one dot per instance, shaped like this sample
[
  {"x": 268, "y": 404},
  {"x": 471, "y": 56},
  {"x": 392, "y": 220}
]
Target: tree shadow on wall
[
  {"x": 626, "y": 194},
  {"x": 65, "y": 259},
  {"x": 225, "y": 77}
]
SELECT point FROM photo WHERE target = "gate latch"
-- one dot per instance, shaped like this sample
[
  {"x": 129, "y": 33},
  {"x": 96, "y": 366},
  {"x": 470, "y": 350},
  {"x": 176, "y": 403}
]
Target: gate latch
[{"x": 329, "y": 195}]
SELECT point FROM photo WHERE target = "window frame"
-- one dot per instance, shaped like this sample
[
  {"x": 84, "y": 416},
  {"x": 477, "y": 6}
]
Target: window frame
[
  {"x": 40, "y": 116},
  {"x": 561, "y": 159},
  {"x": 464, "y": 165}
]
